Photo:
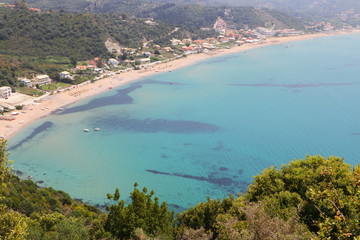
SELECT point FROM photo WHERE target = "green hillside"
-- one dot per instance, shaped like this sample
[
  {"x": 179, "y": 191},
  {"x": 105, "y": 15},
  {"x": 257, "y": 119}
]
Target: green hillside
[
  {"x": 312, "y": 198},
  {"x": 32, "y": 42},
  {"x": 25, "y": 32}
]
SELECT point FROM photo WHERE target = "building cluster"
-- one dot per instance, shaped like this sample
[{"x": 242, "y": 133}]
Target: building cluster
[
  {"x": 14, "y": 6},
  {"x": 319, "y": 27},
  {"x": 262, "y": 31},
  {"x": 226, "y": 37},
  {"x": 348, "y": 15},
  {"x": 229, "y": 35},
  {"x": 38, "y": 80}
]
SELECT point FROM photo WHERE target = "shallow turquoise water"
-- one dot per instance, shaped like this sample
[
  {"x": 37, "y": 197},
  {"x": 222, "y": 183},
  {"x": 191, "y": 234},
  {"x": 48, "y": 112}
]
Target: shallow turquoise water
[{"x": 203, "y": 130}]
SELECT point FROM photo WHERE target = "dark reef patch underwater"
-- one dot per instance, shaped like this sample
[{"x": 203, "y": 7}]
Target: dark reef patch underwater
[{"x": 42, "y": 128}]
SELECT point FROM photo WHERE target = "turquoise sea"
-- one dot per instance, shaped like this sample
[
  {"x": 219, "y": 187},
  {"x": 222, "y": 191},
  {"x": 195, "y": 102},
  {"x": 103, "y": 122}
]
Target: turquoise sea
[{"x": 203, "y": 130}]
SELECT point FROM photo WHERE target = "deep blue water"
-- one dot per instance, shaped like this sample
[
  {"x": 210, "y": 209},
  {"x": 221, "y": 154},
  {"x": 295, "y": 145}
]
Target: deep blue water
[{"x": 203, "y": 130}]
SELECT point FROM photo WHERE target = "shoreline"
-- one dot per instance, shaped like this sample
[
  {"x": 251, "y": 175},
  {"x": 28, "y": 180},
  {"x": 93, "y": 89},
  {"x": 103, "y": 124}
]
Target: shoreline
[{"x": 51, "y": 103}]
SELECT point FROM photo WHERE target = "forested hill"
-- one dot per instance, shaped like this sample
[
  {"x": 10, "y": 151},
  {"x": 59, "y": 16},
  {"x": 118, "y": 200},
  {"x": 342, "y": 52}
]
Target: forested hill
[{"x": 23, "y": 32}]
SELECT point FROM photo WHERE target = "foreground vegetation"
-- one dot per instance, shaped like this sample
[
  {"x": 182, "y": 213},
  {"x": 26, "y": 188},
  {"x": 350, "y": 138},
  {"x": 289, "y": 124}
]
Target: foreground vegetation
[{"x": 312, "y": 198}]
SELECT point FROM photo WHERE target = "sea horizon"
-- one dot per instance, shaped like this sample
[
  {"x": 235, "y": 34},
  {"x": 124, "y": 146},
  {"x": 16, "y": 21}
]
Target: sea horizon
[{"x": 203, "y": 130}]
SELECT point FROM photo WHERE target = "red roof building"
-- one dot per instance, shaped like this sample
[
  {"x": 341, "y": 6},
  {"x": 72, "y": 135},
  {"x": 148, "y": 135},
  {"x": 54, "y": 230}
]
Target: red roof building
[
  {"x": 81, "y": 67},
  {"x": 35, "y": 9}
]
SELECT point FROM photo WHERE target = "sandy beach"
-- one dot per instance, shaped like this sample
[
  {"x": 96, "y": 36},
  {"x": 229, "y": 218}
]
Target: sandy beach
[{"x": 50, "y": 103}]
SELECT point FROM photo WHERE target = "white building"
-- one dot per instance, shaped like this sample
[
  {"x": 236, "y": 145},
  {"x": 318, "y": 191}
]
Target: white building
[
  {"x": 99, "y": 70},
  {"x": 65, "y": 75},
  {"x": 220, "y": 26},
  {"x": 113, "y": 62},
  {"x": 26, "y": 82},
  {"x": 42, "y": 80},
  {"x": 145, "y": 60},
  {"x": 147, "y": 54},
  {"x": 265, "y": 31},
  {"x": 5, "y": 92},
  {"x": 151, "y": 23},
  {"x": 176, "y": 42}
]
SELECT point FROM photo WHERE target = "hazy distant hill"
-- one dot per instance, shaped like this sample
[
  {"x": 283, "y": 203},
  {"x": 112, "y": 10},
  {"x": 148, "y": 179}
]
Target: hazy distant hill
[
  {"x": 327, "y": 8},
  {"x": 302, "y": 7}
]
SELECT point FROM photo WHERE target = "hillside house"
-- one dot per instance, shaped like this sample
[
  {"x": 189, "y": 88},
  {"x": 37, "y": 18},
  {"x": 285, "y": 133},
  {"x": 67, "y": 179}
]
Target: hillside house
[
  {"x": 199, "y": 42},
  {"x": 186, "y": 41},
  {"x": 25, "y": 82},
  {"x": 42, "y": 80},
  {"x": 35, "y": 9},
  {"x": 188, "y": 48},
  {"x": 167, "y": 49},
  {"x": 91, "y": 64},
  {"x": 175, "y": 42},
  {"x": 81, "y": 67},
  {"x": 5, "y": 92},
  {"x": 65, "y": 75},
  {"x": 147, "y": 54},
  {"x": 220, "y": 26},
  {"x": 151, "y": 23},
  {"x": 265, "y": 32},
  {"x": 99, "y": 70},
  {"x": 113, "y": 62},
  {"x": 212, "y": 40},
  {"x": 145, "y": 60}
]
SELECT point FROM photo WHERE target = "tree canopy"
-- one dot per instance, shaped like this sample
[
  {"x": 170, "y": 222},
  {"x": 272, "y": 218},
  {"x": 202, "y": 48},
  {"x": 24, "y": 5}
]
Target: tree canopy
[{"x": 311, "y": 198}]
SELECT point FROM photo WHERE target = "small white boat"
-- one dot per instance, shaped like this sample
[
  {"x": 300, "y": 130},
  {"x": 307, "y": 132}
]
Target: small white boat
[
  {"x": 96, "y": 129},
  {"x": 86, "y": 130}
]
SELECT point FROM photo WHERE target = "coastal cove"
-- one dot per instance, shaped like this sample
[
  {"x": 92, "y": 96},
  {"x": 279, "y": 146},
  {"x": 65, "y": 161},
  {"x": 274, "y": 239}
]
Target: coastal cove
[{"x": 204, "y": 129}]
